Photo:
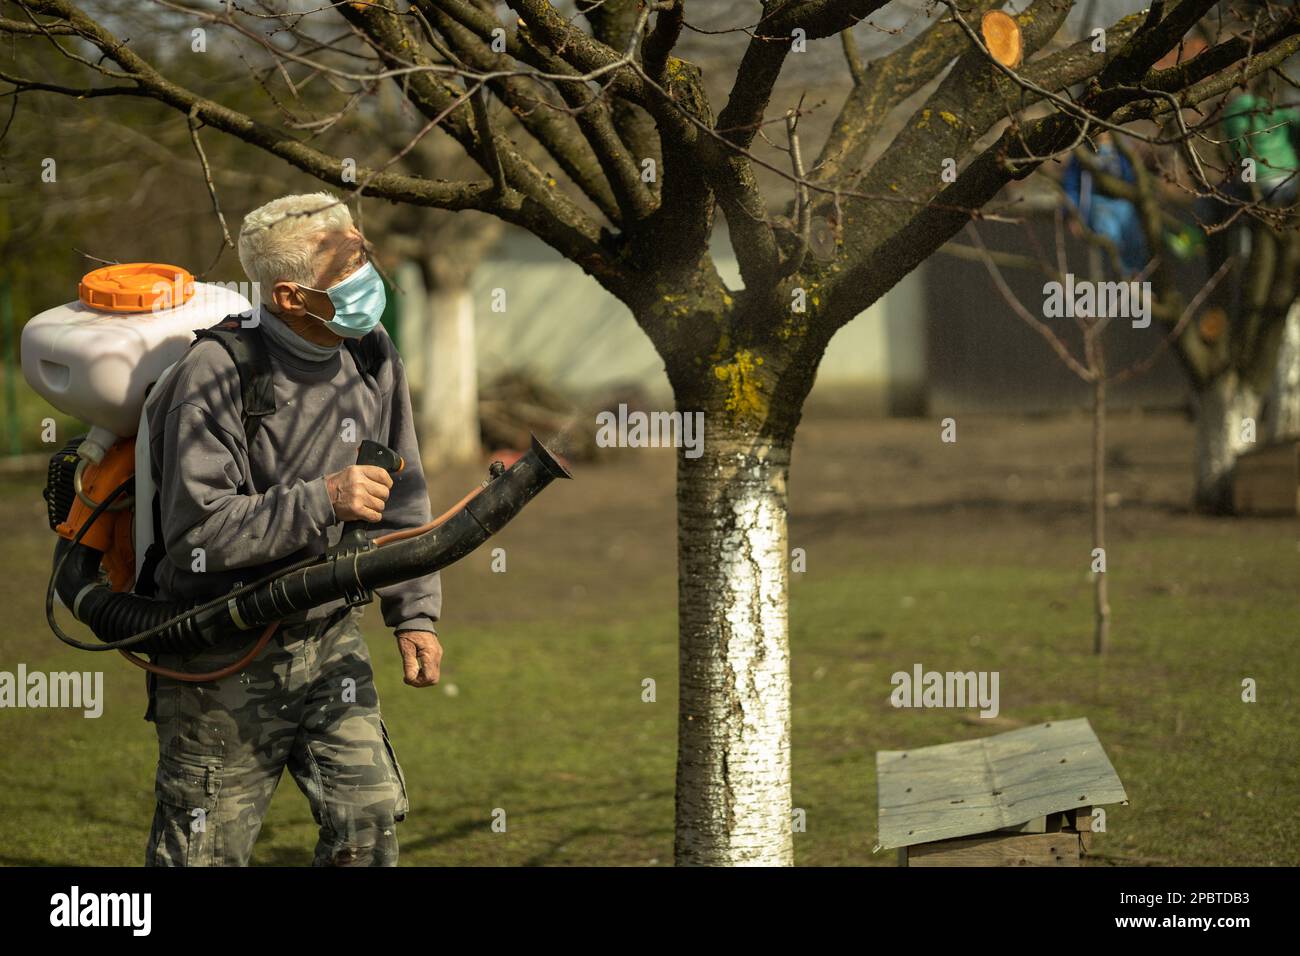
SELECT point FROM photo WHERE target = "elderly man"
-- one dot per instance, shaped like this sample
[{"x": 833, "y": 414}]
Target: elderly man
[{"x": 245, "y": 491}]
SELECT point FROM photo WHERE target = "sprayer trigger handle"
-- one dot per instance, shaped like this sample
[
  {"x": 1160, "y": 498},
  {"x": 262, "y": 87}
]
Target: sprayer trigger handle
[
  {"x": 373, "y": 453},
  {"x": 370, "y": 453}
]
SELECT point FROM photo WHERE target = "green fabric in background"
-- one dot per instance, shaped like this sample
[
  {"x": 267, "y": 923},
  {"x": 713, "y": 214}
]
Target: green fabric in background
[{"x": 1263, "y": 133}]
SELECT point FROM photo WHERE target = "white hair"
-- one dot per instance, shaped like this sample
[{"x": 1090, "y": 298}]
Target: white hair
[{"x": 277, "y": 242}]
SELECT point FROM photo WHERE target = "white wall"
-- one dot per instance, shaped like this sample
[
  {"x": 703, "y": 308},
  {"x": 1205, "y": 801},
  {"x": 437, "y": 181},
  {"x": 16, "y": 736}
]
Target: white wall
[{"x": 575, "y": 336}]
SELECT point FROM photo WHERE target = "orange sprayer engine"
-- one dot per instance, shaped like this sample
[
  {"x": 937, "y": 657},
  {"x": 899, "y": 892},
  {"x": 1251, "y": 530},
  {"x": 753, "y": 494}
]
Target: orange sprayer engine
[{"x": 76, "y": 486}]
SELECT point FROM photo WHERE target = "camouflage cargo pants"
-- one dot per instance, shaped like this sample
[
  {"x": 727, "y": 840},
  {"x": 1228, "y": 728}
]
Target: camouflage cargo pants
[{"x": 307, "y": 703}]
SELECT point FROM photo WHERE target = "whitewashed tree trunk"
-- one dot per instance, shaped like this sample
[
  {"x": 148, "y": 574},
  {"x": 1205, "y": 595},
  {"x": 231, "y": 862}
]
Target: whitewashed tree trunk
[
  {"x": 733, "y": 758},
  {"x": 1284, "y": 390},
  {"x": 449, "y": 425},
  {"x": 1221, "y": 410}
]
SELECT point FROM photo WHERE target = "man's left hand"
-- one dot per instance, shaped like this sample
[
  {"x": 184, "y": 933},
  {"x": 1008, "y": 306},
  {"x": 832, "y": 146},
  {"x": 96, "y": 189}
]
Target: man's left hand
[{"x": 421, "y": 657}]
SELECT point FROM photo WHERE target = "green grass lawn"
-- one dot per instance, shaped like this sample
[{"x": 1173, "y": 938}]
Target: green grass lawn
[{"x": 540, "y": 713}]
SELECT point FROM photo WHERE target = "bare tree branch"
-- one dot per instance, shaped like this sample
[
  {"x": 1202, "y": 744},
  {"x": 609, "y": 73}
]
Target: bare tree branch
[{"x": 227, "y": 242}]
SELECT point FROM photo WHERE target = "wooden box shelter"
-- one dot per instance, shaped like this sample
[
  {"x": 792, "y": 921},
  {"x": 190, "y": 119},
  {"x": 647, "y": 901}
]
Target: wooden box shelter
[{"x": 1020, "y": 798}]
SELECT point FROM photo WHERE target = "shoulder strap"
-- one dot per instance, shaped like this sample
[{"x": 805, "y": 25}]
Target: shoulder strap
[
  {"x": 248, "y": 352},
  {"x": 257, "y": 400},
  {"x": 144, "y": 582},
  {"x": 367, "y": 352}
]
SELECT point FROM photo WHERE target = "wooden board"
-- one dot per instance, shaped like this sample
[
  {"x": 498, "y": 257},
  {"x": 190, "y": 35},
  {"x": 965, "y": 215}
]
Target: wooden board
[
  {"x": 977, "y": 786},
  {"x": 1267, "y": 480},
  {"x": 1030, "y": 849}
]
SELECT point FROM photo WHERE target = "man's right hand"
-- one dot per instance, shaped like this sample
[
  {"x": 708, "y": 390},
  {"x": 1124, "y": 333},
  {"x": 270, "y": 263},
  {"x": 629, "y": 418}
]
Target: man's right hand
[{"x": 358, "y": 492}]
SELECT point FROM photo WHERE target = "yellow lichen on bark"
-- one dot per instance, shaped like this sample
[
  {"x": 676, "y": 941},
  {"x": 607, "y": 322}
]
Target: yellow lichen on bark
[{"x": 744, "y": 398}]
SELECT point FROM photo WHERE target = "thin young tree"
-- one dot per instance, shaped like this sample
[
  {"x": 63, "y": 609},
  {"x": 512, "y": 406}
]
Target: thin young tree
[{"x": 1092, "y": 368}]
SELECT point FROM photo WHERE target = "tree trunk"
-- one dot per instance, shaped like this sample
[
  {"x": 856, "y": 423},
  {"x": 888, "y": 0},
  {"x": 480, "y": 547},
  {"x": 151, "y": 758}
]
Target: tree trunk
[
  {"x": 1221, "y": 408},
  {"x": 1101, "y": 601},
  {"x": 1284, "y": 390},
  {"x": 733, "y": 758},
  {"x": 449, "y": 426}
]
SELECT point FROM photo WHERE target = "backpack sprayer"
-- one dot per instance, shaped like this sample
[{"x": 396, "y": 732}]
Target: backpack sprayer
[{"x": 97, "y": 358}]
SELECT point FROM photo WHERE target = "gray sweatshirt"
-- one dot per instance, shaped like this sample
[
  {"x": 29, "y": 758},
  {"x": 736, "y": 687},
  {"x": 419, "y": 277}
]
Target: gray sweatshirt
[{"x": 252, "y": 511}]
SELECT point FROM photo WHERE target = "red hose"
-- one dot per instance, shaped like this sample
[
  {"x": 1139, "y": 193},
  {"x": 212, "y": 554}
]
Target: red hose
[
  {"x": 413, "y": 532},
  {"x": 226, "y": 671}
]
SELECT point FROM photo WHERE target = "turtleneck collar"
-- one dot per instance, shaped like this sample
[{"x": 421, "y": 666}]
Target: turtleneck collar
[{"x": 293, "y": 343}]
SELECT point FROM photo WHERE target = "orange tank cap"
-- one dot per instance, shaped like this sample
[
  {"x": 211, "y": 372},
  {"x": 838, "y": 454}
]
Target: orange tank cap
[{"x": 136, "y": 287}]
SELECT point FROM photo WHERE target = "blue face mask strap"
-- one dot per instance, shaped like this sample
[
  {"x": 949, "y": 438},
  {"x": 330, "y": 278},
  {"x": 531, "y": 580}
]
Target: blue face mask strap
[{"x": 304, "y": 308}]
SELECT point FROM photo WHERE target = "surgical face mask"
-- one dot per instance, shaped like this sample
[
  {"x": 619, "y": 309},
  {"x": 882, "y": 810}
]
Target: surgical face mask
[{"x": 359, "y": 302}]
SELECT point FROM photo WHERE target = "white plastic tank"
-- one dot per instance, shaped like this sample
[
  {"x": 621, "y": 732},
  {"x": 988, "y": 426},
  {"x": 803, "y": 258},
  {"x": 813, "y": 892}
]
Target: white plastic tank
[{"x": 96, "y": 357}]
